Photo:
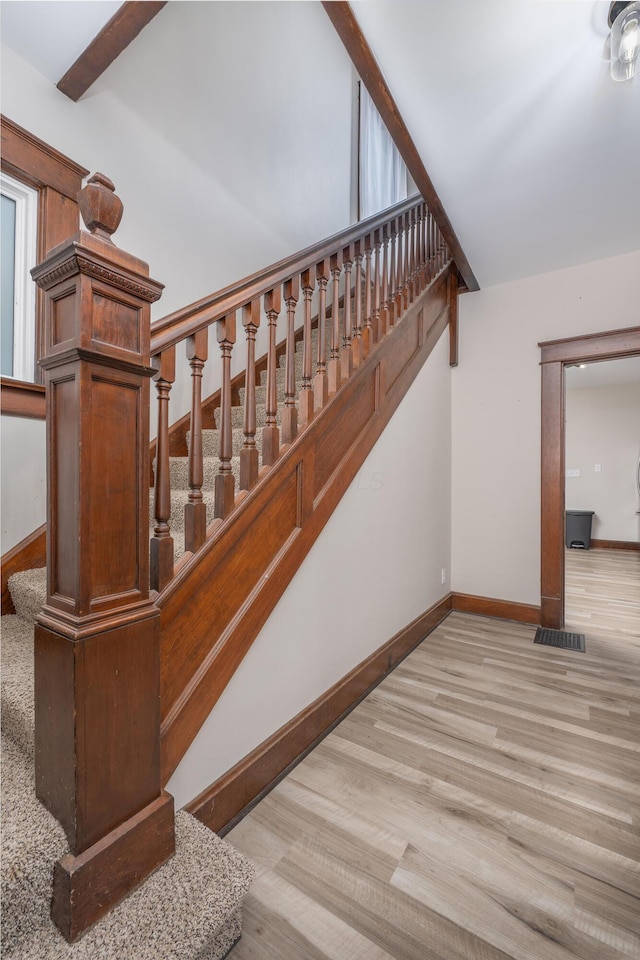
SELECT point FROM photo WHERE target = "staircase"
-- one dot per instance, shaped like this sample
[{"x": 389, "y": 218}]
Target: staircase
[
  {"x": 190, "y": 907},
  {"x": 230, "y": 525}
]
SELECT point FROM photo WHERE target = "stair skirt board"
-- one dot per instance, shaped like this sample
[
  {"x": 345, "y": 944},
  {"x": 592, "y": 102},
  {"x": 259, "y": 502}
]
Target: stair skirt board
[{"x": 221, "y": 805}]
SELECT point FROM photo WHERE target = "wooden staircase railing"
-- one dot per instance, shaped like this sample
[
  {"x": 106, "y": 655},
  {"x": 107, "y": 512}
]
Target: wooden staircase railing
[
  {"x": 383, "y": 263},
  {"x": 214, "y": 604},
  {"x": 133, "y": 649}
]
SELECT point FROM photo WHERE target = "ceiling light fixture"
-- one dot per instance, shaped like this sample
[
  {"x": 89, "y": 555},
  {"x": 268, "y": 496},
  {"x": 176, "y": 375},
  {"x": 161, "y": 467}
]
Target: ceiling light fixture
[{"x": 624, "y": 20}]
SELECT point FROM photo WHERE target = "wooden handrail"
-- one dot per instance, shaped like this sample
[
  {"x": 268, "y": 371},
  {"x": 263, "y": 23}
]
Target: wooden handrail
[{"x": 176, "y": 326}]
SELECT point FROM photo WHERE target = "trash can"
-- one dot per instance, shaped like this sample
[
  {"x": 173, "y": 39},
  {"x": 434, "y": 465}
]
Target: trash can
[{"x": 578, "y": 529}]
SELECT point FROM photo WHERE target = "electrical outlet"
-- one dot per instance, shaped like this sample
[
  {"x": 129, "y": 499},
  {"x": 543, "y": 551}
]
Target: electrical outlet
[
  {"x": 573, "y": 473},
  {"x": 598, "y": 468},
  {"x": 443, "y": 575}
]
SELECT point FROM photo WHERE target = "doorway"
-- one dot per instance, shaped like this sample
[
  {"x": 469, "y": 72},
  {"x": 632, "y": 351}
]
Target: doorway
[{"x": 556, "y": 355}]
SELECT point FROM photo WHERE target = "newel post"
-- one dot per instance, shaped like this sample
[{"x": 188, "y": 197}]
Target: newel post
[{"x": 97, "y": 742}]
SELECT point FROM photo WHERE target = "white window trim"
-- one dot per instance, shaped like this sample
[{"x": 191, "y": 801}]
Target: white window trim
[{"x": 24, "y": 306}]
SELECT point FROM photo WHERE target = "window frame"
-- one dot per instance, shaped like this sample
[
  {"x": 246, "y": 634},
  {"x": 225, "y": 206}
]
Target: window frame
[
  {"x": 24, "y": 292},
  {"x": 57, "y": 180}
]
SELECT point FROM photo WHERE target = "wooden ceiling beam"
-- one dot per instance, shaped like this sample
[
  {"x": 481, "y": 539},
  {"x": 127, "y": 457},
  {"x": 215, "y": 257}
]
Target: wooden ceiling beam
[
  {"x": 348, "y": 29},
  {"x": 124, "y": 26}
]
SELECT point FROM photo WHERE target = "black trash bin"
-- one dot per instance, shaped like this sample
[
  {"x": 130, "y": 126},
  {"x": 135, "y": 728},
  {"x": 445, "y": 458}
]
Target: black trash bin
[{"x": 578, "y": 529}]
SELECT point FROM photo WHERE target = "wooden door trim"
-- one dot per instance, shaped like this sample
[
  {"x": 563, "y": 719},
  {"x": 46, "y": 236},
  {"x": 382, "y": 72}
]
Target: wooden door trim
[{"x": 555, "y": 356}]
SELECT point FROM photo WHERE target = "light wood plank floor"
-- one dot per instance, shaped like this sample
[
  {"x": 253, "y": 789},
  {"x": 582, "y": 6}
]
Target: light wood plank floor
[{"x": 481, "y": 804}]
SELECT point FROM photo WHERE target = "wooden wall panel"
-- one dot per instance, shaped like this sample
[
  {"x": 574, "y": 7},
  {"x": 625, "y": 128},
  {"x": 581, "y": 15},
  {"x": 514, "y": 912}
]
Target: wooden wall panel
[
  {"x": 408, "y": 345},
  {"x": 204, "y": 605},
  {"x": 345, "y": 421}
]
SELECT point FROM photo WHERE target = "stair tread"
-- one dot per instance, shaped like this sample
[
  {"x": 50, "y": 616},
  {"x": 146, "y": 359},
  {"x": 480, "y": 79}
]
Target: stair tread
[
  {"x": 17, "y": 682},
  {"x": 28, "y": 591},
  {"x": 187, "y": 905}
]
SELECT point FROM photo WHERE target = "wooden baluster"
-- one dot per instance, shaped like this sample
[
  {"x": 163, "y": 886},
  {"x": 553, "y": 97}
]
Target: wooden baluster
[
  {"x": 321, "y": 382},
  {"x": 161, "y": 547},
  {"x": 432, "y": 247},
  {"x": 375, "y": 325},
  {"x": 290, "y": 413},
  {"x": 249, "y": 453},
  {"x": 384, "y": 309},
  {"x": 417, "y": 267},
  {"x": 346, "y": 354},
  {"x": 400, "y": 269},
  {"x": 225, "y": 484},
  {"x": 425, "y": 245},
  {"x": 413, "y": 288},
  {"x": 427, "y": 248},
  {"x": 366, "y": 326},
  {"x": 393, "y": 228},
  {"x": 406, "y": 270},
  {"x": 271, "y": 433},
  {"x": 305, "y": 397},
  {"x": 356, "y": 340},
  {"x": 436, "y": 266},
  {"x": 195, "y": 511},
  {"x": 334, "y": 372},
  {"x": 421, "y": 253}
]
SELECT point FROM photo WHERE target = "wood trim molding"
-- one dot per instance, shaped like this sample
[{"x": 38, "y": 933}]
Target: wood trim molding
[
  {"x": 124, "y": 26},
  {"x": 615, "y": 544},
  {"x": 277, "y": 523},
  {"x": 34, "y": 162},
  {"x": 30, "y": 552},
  {"x": 227, "y": 800},
  {"x": 348, "y": 29},
  {"x": 501, "y": 609},
  {"x": 21, "y": 399},
  {"x": 591, "y": 346},
  {"x": 555, "y": 354}
]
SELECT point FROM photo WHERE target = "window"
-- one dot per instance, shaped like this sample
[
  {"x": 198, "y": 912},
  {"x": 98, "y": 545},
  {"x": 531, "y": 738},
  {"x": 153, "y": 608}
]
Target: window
[
  {"x": 382, "y": 171},
  {"x": 19, "y": 228}
]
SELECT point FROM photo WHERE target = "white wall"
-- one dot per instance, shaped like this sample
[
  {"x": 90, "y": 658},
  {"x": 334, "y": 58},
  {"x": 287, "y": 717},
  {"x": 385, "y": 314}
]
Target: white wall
[
  {"x": 23, "y": 479},
  {"x": 603, "y": 428},
  {"x": 496, "y": 415},
  {"x": 375, "y": 567}
]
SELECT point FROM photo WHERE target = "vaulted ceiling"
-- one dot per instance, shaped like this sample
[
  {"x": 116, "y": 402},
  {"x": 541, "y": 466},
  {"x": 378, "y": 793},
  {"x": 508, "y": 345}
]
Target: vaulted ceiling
[{"x": 532, "y": 148}]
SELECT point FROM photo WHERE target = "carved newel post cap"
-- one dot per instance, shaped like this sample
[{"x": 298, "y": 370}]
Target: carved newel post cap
[{"x": 101, "y": 209}]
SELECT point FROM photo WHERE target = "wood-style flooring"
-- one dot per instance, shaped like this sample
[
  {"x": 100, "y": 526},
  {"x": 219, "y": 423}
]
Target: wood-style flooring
[{"x": 482, "y": 803}]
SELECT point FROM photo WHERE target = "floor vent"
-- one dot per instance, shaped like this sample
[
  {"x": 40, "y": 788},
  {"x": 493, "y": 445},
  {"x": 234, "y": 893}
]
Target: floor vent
[{"x": 558, "y": 638}]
